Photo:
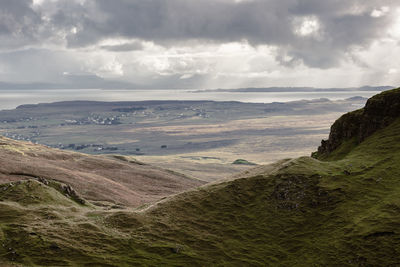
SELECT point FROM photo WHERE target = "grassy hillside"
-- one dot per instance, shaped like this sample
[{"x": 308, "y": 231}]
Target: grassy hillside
[
  {"x": 304, "y": 212},
  {"x": 106, "y": 179},
  {"x": 301, "y": 212}
]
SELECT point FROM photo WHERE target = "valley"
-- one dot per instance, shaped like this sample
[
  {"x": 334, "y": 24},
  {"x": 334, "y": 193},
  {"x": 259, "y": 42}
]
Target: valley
[
  {"x": 198, "y": 138},
  {"x": 337, "y": 208}
]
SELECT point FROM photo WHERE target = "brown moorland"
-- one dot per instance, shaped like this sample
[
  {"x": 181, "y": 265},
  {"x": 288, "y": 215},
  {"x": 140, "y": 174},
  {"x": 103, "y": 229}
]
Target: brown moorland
[{"x": 100, "y": 179}]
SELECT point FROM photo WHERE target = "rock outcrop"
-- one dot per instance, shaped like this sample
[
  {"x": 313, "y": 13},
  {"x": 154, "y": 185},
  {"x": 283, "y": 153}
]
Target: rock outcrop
[{"x": 379, "y": 111}]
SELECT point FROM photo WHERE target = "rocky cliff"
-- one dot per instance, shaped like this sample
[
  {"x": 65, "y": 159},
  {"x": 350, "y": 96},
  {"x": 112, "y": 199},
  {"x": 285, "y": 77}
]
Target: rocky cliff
[{"x": 354, "y": 127}]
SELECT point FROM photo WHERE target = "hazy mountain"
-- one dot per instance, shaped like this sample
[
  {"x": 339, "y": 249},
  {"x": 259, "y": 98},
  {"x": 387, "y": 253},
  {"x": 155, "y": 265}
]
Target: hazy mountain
[
  {"x": 90, "y": 81},
  {"x": 74, "y": 81},
  {"x": 299, "y": 89}
]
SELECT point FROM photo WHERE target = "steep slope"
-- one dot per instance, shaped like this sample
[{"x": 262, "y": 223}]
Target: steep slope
[
  {"x": 114, "y": 179},
  {"x": 352, "y": 128},
  {"x": 300, "y": 212}
]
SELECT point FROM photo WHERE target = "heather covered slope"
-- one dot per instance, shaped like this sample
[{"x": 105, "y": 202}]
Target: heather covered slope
[
  {"x": 113, "y": 179},
  {"x": 300, "y": 212}
]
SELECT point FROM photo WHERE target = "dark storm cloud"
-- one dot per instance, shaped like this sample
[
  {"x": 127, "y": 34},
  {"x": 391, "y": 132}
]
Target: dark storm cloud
[
  {"x": 19, "y": 23},
  {"x": 342, "y": 24},
  {"x": 169, "y": 22}
]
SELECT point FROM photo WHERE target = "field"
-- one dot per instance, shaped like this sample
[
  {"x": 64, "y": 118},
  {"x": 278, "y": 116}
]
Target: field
[{"x": 198, "y": 138}]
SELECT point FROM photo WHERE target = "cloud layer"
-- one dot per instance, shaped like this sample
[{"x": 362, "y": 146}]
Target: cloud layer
[{"x": 187, "y": 42}]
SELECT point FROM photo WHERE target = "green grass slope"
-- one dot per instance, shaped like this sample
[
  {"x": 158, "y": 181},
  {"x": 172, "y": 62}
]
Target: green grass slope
[
  {"x": 305, "y": 213},
  {"x": 302, "y": 212}
]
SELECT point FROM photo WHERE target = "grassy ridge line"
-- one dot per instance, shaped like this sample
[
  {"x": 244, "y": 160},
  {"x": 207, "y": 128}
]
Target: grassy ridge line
[{"x": 310, "y": 212}]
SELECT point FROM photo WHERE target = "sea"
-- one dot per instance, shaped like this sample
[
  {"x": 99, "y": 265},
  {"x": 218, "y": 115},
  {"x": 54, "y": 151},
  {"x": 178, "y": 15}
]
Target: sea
[{"x": 10, "y": 99}]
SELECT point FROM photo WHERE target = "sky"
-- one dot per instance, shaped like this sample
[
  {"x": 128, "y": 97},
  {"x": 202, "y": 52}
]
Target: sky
[{"x": 201, "y": 43}]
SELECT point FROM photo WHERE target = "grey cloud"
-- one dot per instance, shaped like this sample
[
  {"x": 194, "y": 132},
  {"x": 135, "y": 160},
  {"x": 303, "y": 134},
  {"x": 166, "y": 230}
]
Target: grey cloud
[
  {"x": 166, "y": 21},
  {"x": 173, "y": 22},
  {"x": 169, "y": 22},
  {"x": 37, "y": 65},
  {"x": 123, "y": 47},
  {"x": 19, "y": 23}
]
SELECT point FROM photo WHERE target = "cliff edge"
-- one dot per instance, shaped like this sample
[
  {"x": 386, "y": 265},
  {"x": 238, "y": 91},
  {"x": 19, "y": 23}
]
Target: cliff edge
[{"x": 354, "y": 127}]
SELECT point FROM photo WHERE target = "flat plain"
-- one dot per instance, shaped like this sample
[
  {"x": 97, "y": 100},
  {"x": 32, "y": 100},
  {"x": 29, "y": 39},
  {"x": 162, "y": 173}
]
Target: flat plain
[{"x": 201, "y": 139}]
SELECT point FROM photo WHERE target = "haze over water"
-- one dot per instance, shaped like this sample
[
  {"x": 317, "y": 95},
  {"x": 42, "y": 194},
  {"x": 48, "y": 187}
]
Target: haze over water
[{"x": 10, "y": 99}]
